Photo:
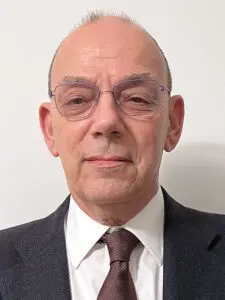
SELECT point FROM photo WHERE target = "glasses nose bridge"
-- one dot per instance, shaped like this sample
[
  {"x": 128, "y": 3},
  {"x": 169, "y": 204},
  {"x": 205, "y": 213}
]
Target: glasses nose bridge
[
  {"x": 109, "y": 91},
  {"x": 106, "y": 91}
]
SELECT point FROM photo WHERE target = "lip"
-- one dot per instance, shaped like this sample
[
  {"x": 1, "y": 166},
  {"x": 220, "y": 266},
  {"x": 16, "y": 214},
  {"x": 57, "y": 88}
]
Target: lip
[
  {"x": 107, "y": 161},
  {"x": 107, "y": 158}
]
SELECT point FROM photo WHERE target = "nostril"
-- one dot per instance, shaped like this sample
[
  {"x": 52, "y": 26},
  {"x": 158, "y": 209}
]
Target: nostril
[
  {"x": 115, "y": 133},
  {"x": 98, "y": 133},
  {"x": 108, "y": 134}
]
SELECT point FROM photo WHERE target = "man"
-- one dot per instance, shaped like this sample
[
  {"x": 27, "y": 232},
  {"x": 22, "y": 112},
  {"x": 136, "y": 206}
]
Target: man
[{"x": 119, "y": 235}]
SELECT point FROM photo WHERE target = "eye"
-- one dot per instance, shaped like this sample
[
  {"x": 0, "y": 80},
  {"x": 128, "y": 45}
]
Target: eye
[
  {"x": 139, "y": 100},
  {"x": 75, "y": 101}
]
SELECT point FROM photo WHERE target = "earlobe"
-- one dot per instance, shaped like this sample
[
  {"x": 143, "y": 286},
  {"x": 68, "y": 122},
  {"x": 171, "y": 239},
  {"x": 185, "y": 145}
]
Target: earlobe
[
  {"x": 45, "y": 119},
  {"x": 176, "y": 118},
  {"x": 167, "y": 146}
]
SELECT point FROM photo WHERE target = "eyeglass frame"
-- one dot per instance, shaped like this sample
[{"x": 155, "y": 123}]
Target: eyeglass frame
[{"x": 51, "y": 93}]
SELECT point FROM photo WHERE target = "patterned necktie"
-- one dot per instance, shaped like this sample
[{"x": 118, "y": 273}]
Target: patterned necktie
[{"x": 118, "y": 284}]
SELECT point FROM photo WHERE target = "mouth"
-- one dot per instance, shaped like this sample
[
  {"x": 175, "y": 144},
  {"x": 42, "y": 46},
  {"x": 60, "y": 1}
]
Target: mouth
[{"x": 107, "y": 161}]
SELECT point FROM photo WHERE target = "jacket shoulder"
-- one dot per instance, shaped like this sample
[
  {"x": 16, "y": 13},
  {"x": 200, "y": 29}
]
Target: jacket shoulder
[
  {"x": 190, "y": 217},
  {"x": 30, "y": 237},
  {"x": 13, "y": 234},
  {"x": 208, "y": 217},
  {"x": 9, "y": 238}
]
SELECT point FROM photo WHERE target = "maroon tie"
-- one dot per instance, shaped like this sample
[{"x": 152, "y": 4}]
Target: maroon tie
[{"x": 118, "y": 284}]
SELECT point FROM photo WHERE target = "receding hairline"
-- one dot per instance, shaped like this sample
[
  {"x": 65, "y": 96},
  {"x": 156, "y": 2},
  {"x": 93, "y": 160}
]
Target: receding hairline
[{"x": 95, "y": 16}]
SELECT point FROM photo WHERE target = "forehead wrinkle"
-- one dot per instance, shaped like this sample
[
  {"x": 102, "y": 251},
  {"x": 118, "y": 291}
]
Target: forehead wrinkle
[{"x": 108, "y": 57}]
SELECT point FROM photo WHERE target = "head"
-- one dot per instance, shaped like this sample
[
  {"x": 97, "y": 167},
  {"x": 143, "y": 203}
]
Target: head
[{"x": 111, "y": 159}]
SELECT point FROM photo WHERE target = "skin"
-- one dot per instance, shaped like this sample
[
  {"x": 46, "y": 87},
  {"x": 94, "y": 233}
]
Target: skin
[{"x": 111, "y": 192}]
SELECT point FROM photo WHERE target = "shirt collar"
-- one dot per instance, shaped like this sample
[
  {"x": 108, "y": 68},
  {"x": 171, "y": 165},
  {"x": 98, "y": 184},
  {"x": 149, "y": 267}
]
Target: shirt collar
[
  {"x": 82, "y": 232},
  {"x": 148, "y": 226}
]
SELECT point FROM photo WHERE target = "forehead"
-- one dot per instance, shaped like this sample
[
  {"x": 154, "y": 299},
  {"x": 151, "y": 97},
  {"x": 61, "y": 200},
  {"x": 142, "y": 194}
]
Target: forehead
[{"x": 106, "y": 51}]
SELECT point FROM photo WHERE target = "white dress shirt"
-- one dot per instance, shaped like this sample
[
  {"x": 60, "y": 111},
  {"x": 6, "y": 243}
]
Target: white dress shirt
[{"x": 89, "y": 260}]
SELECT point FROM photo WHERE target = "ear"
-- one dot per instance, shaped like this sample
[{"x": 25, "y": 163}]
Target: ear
[
  {"x": 46, "y": 124},
  {"x": 176, "y": 118}
]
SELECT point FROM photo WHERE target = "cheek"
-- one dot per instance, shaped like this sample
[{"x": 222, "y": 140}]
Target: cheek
[
  {"x": 150, "y": 141},
  {"x": 68, "y": 137}
]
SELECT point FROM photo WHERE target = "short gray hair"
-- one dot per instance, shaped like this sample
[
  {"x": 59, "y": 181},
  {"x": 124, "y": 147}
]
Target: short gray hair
[{"x": 97, "y": 15}]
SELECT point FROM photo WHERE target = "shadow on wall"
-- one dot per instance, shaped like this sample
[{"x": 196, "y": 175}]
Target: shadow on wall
[{"x": 194, "y": 175}]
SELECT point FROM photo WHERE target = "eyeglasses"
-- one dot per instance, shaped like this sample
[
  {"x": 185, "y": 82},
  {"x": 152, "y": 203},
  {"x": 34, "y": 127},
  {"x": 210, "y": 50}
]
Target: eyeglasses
[{"x": 137, "y": 98}]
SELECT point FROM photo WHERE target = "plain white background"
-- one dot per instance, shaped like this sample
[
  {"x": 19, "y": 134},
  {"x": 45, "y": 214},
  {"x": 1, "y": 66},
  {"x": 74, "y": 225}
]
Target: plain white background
[{"x": 191, "y": 33}]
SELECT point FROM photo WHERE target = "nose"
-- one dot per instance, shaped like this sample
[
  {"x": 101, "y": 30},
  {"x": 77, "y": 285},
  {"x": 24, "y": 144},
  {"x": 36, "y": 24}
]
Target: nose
[{"x": 107, "y": 119}]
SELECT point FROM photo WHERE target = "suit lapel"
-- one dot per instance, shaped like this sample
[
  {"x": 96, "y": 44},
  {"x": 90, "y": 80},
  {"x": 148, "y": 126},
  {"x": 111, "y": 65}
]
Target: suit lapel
[
  {"x": 41, "y": 272},
  {"x": 194, "y": 255}
]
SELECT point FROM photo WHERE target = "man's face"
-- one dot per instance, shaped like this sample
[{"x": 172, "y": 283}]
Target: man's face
[{"x": 109, "y": 157}]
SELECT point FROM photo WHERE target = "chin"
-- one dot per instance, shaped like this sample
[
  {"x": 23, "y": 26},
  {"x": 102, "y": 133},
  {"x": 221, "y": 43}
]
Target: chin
[{"x": 106, "y": 192}]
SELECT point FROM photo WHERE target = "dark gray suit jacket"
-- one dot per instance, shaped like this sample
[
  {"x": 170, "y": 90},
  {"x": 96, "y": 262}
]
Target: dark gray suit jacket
[{"x": 33, "y": 261}]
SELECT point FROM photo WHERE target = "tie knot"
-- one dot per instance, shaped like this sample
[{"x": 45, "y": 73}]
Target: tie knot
[{"x": 120, "y": 244}]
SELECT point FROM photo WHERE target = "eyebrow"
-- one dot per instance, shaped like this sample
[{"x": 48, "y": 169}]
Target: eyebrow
[
  {"x": 77, "y": 78},
  {"x": 138, "y": 76},
  {"x": 133, "y": 76}
]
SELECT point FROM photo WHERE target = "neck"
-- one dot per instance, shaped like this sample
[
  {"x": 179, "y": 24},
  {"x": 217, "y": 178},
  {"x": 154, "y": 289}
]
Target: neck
[{"x": 117, "y": 213}]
